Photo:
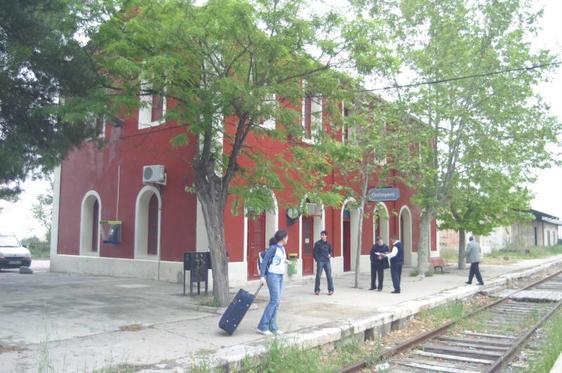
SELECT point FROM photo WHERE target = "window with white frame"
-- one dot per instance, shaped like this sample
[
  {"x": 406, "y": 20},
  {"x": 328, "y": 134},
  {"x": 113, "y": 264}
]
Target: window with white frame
[
  {"x": 269, "y": 122},
  {"x": 152, "y": 108},
  {"x": 311, "y": 117}
]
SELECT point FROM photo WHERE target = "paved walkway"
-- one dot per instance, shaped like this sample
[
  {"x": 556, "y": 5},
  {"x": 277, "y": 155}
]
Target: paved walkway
[{"x": 78, "y": 323}]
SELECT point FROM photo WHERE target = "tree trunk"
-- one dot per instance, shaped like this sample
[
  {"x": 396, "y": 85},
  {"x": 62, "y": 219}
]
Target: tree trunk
[
  {"x": 423, "y": 248},
  {"x": 462, "y": 244},
  {"x": 360, "y": 228},
  {"x": 213, "y": 201}
]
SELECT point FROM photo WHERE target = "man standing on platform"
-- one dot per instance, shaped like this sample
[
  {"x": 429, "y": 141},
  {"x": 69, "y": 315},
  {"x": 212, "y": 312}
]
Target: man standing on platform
[
  {"x": 396, "y": 257},
  {"x": 322, "y": 254},
  {"x": 473, "y": 257},
  {"x": 378, "y": 263}
]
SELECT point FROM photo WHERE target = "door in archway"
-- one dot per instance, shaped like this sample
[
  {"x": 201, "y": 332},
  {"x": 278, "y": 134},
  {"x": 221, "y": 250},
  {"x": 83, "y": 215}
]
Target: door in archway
[
  {"x": 307, "y": 244},
  {"x": 256, "y": 243}
]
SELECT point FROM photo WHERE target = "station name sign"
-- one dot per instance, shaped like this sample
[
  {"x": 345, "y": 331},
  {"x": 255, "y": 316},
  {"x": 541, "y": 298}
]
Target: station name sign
[{"x": 383, "y": 194}]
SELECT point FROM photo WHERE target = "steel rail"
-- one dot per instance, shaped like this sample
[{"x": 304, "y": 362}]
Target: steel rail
[
  {"x": 520, "y": 341},
  {"x": 432, "y": 333}
]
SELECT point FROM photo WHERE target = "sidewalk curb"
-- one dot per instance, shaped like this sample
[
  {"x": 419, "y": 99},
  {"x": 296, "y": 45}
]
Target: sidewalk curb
[{"x": 380, "y": 323}]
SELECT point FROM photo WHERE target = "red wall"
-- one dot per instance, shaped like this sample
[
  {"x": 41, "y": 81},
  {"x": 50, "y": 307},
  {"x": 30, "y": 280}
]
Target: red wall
[{"x": 91, "y": 168}]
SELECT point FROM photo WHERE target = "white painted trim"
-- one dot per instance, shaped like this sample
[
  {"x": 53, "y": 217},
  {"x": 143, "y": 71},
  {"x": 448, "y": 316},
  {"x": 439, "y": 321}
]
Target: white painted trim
[
  {"x": 271, "y": 217},
  {"x": 386, "y": 226},
  {"x": 352, "y": 242},
  {"x": 145, "y": 109},
  {"x": 201, "y": 238},
  {"x": 147, "y": 190},
  {"x": 408, "y": 252},
  {"x": 86, "y": 223},
  {"x": 56, "y": 210}
]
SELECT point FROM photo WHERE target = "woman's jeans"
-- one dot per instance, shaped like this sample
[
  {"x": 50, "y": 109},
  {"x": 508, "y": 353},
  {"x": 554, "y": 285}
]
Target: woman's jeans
[{"x": 269, "y": 319}]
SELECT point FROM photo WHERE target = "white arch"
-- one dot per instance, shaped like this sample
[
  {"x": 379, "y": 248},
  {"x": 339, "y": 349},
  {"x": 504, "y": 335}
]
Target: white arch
[
  {"x": 384, "y": 222},
  {"x": 353, "y": 232},
  {"x": 319, "y": 223},
  {"x": 87, "y": 222},
  {"x": 271, "y": 224},
  {"x": 407, "y": 244},
  {"x": 141, "y": 222}
]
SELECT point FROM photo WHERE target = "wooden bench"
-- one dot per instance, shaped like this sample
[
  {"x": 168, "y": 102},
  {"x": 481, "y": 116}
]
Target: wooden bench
[{"x": 437, "y": 262}]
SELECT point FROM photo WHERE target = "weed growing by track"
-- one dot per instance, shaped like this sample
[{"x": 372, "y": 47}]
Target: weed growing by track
[{"x": 551, "y": 346}]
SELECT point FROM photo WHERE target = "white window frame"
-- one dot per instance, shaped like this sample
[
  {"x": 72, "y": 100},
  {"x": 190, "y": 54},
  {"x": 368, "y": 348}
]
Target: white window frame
[
  {"x": 316, "y": 118},
  {"x": 270, "y": 123},
  {"x": 141, "y": 223},
  {"x": 145, "y": 108},
  {"x": 86, "y": 224}
]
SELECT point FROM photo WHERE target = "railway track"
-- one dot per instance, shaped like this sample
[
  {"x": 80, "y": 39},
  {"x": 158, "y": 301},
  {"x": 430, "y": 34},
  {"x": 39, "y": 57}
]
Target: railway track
[{"x": 483, "y": 341}]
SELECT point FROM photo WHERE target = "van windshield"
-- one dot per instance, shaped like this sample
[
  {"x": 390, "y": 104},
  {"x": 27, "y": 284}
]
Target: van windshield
[{"x": 8, "y": 241}]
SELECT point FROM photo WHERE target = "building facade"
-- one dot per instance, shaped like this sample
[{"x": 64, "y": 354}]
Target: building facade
[{"x": 159, "y": 221}]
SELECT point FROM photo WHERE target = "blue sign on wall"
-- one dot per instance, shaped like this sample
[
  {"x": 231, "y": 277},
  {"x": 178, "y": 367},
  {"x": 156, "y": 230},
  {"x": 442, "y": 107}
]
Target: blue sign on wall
[{"x": 383, "y": 194}]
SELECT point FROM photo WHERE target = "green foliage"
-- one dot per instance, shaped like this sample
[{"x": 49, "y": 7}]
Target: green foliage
[
  {"x": 485, "y": 134},
  {"x": 550, "y": 346},
  {"x": 40, "y": 62},
  {"x": 39, "y": 248}
]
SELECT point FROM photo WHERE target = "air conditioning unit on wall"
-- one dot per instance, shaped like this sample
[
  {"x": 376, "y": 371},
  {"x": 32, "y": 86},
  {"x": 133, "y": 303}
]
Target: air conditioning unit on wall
[{"x": 155, "y": 174}]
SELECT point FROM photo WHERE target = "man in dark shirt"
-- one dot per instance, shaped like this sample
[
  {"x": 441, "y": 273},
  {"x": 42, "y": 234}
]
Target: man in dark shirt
[
  {"x": 378, "y": 263},
  {"x": 322, "y": 254}
]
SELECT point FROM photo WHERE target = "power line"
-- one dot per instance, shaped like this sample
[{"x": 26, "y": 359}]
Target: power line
[{"x": 446, "y": 80}]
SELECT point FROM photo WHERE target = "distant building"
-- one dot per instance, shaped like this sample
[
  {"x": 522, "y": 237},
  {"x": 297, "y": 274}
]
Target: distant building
[{"x": 542, "y": 231}]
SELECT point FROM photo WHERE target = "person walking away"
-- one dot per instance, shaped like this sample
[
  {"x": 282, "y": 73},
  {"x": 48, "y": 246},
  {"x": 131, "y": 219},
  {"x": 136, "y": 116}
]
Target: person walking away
[
  {"x": 379, "y": 263},
  {"x": 272, "y": 270},
  {"x": 396, "y": 257},
  {"x": 473, "y": 257},
  {"x": 322, "y": 255}
]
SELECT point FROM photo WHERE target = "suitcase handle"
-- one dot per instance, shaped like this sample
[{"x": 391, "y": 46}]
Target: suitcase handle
[{"x": 257, "y": 291}]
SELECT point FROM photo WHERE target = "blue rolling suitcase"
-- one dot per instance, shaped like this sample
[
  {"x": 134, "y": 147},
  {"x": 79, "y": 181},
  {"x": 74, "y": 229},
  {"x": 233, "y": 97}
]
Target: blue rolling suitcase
[{"x": 237, "y": 309}]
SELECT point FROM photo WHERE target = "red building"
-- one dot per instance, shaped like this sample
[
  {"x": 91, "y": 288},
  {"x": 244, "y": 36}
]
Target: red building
[{"x": 160, "y": 220}]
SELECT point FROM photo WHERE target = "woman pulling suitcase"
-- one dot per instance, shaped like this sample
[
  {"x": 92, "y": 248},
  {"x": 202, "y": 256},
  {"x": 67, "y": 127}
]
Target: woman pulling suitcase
[{"x": 272, "y": 269}]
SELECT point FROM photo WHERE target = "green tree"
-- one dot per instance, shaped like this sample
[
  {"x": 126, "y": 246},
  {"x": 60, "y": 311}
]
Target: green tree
[
  {"x": 492, "y": 201},
  {"x": 376, "y": 135},
  {"x": 42, "y": 211},
  {"x": 227, "y": 59},
  {"x": 41, "y": 61},
  {"x": 473, "y": 72}
]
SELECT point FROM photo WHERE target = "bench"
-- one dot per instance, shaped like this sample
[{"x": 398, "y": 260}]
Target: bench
[{"x": 437, "y": 262}]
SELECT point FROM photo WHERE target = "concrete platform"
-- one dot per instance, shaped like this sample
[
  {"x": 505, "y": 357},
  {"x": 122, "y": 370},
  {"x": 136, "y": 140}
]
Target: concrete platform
[{"x": 79, "y": 323}]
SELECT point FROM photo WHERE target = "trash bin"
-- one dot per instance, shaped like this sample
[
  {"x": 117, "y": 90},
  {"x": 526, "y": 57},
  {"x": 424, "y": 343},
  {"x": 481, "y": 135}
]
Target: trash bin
[{"x": 292, "y": 270}]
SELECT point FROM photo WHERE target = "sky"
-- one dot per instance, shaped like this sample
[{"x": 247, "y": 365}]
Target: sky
[{"x": 16, "y": 217}]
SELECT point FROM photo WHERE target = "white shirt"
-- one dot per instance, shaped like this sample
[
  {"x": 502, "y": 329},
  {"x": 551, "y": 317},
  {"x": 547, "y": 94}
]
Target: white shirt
[
  {"x": 394, "y": 251},
  {"x": 278, "y": 262}
]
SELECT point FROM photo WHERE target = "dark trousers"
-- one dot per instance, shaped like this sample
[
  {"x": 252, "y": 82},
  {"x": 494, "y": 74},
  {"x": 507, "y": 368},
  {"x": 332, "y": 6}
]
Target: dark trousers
[
  {"x": 377, "y": 270},
  {"x": 328, "y": 269},
  {"x": 396, "y": 274},
  {"x": 475, "y": 270}
]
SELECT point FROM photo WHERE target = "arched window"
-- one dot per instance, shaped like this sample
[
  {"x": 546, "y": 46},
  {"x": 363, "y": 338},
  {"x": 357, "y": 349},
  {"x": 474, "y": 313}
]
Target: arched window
[
  {"x": 89, "y": 224},
  {"x": 148, "y": 223}
]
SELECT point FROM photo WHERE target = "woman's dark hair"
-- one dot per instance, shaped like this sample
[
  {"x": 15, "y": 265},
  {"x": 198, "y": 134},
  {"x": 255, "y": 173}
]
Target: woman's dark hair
[{"x": 279, "y": 236}]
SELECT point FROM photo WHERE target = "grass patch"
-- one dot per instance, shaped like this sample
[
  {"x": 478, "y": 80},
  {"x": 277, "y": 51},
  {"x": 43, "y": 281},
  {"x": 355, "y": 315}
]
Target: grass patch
[
  {"x": 551, "y": 346},
  {"x": 443, "y": 314},
  {"x": 510, "y": 254},
  {"x": 209, "y": 302},
  {"x": 281, "y": 358}
]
